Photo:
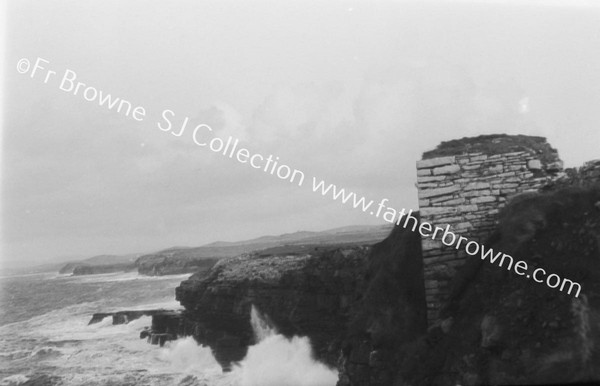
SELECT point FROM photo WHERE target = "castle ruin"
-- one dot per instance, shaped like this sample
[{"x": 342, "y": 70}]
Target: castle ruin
[{"x": 464, "y": 184}]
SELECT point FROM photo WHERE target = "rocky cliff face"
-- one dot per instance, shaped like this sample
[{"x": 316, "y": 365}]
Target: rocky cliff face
[
  {"x": 365, "y": 310},
  {"x": 391, "y": 312},
  {"x": 98, "y": 269},
  {"x": 497, "y": 327},
  {"x": 307, "y": 294},
  {"x": 100, "y": 264}
]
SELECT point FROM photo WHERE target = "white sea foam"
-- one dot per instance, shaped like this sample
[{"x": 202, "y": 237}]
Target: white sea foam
[
  {"x": 120, "y": 276},
  {"x": 61, "y": 343},
  {"x": 278, "y": 361},
  {"x": 14, "y": 380},
  {"x": 186, "y": 356}
]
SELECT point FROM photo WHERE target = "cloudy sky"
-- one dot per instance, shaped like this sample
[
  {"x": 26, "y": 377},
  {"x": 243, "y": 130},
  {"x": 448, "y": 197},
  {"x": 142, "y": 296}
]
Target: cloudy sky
[{"x": 352, "y": 92}]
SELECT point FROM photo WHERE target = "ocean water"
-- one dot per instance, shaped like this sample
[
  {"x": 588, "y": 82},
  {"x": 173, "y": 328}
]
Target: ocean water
[{"x": 44, "y": 334}]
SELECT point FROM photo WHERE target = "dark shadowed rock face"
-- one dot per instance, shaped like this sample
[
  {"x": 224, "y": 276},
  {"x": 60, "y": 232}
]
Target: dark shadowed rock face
[
  {"x": 308, "y": 294},
  {"x": 506, "y": 329},
  {"x": 497, "y": 327},
  {"x": 391, "y": 312}
]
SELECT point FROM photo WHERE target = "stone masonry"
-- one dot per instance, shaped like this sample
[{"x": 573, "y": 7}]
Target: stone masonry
[{"x": 464, "y": 184}]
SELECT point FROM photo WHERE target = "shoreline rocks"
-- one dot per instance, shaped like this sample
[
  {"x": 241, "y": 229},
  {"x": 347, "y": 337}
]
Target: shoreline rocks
[{"x": 126, "y": 316}]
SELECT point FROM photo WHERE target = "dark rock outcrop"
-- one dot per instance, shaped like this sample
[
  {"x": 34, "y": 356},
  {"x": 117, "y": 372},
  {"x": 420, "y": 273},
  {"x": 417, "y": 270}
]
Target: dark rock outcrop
[
  {"x": 123, "y": 317},
  {"x": 307, "y": 294},
  {"x": 497, "y": 327},
  {"x": 506, "y": 329},
  {"x": 390, "y": 314}
]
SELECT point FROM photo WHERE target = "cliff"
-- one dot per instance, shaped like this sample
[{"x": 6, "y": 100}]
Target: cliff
[
  {"x": 100, "y": 264},
  {"x": 409, "y": 311},
  {"x": 497, "y": 327},
  {"x": 390, "y": 312},
  {"x": 179, "y": 260},
  {"x": 158, "y": 265},
  {"x": 489, "y": 325},
  {"x": 84, "y": 269},
  {"x": 305, "y": 290},
  {"x": 68, "y": 268}
]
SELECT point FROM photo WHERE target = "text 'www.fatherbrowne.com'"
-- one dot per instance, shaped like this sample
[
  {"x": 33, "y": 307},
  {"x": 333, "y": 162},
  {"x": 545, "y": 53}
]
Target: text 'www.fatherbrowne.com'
[{"x": 203, "y": 136}]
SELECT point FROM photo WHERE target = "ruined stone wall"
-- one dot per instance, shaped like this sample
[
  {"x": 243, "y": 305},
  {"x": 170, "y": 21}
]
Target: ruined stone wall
[
  {"x": 586, "y": 175},
  {"x": 466, "y": 191}
]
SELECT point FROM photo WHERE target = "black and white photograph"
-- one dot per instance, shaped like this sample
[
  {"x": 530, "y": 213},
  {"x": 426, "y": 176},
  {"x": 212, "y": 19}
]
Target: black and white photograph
[{"x": 300, "y": 192}]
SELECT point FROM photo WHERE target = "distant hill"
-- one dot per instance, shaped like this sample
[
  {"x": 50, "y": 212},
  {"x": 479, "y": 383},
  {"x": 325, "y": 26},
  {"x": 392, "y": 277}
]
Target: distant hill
[
  {"x": 182, "y": 259},
  {"x": 99, "y": 261},
  {"x": 350, "y": 233},
  {"x": 178, "y": 260}
]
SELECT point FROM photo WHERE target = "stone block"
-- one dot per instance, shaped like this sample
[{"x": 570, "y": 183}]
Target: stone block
[
  {"x": 507, "y": 174},
  {"x": 477, "y": 186},
  {"x": 479, "y": 158},
  {"x": 429, "y": 163},
  {"x": 534, "y": 164},
  {"x": 449, "y": 169},
  {"x": 514, "y": 154},
  {"x": 512, "y": 179},
  {"x": 526, "y": 175},
  {"x": 423, "y": 172},
  {"x": 483, "y": 199},
  {"x": 433, "y": 211},
  {"x": 429, "y": 244},
  {"x": 496, "y": 169},
  {"x": 430, "y": 179},
  {"x": 438, "y": 192},
  {"x": 476, "y": 193},
  {"x": 425, "y": 185},
  {"x": 467, "y": 208},
  {"x": 455, "y": 201},
  {"x": 441, "y": 221},
  {"x": 463, "y": 225},
  {"x": 506, "y": 186},
  {"x": 442, "y": 199}
]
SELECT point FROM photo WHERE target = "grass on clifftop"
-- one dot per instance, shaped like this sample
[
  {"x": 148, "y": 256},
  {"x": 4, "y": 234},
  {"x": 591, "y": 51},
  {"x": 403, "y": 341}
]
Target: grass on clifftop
[{"x": 494, "y": 144}]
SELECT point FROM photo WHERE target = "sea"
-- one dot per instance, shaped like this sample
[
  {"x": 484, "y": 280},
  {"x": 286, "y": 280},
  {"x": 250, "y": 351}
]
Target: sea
[{"x": 45, "y": 338}]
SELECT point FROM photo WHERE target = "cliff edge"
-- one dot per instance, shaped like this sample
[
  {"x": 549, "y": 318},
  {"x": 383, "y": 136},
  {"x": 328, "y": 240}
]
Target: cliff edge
[{"x": 305, "y": 291}]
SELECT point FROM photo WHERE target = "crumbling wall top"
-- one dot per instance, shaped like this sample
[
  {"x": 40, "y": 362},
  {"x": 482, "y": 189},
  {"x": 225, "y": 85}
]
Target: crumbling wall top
[{"x": 496, "y": 144}]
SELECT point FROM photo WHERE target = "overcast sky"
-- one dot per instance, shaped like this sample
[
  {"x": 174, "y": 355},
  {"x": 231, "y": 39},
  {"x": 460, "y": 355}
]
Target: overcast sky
[{"x": 352, "y": 92}]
